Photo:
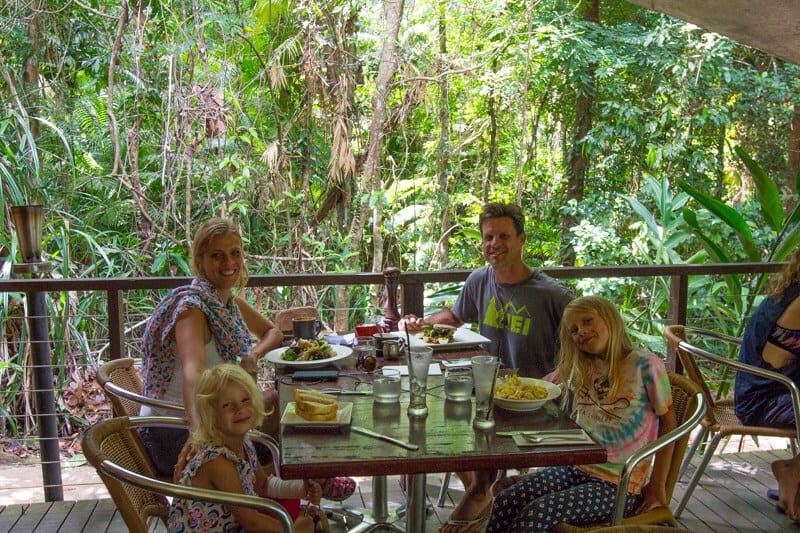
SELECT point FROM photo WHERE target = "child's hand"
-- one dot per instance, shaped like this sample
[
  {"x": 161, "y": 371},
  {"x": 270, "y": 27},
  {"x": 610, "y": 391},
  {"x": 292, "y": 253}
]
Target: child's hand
[{"x": 313, "y": 491}]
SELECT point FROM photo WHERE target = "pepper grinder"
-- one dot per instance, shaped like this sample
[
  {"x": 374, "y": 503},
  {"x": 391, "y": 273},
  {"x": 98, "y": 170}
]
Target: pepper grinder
[{"x": 391, "y": 281}]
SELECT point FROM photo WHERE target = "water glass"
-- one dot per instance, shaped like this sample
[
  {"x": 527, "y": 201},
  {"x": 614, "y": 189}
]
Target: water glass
[
  {"x": 386, "y": 386},
  {"x": 484, "y": 374},
  {"x": 419, "y": 361},
  {"x": 458, "y": 384}
]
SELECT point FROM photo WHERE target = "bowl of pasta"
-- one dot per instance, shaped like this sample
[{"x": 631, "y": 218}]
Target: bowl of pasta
[{"x": 514, "y": 393}]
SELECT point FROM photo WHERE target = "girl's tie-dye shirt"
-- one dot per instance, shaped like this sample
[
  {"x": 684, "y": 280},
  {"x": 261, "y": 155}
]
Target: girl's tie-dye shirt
[{"x": 629, "y": 420}]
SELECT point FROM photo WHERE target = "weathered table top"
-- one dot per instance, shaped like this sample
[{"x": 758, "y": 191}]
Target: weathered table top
[{"x": 447, "y": 442}]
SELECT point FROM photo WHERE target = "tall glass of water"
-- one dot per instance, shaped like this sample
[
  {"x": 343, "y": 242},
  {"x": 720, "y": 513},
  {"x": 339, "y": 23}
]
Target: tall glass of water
[
  {"x": 419, "y": 361},
  {"x": 484, "y": 375}
]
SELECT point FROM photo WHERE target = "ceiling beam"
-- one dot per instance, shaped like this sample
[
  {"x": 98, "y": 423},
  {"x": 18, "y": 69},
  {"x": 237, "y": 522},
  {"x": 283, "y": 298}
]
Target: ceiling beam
[{"x": 772, "y": 26}]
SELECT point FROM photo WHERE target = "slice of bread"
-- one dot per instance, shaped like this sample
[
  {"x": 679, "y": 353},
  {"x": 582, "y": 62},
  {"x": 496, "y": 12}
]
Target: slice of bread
[{"x": 315, "y": 406}]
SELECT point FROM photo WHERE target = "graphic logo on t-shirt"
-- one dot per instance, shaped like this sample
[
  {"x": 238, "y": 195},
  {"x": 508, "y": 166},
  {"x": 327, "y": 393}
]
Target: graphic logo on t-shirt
[{"x": 508, "y": 317}]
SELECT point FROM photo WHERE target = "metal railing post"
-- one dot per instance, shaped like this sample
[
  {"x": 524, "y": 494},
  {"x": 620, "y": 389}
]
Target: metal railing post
[{"x": 45, "y": 398}]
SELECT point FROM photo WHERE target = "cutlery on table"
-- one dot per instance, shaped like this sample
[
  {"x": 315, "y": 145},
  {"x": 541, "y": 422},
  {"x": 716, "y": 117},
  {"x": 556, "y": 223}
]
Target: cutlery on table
[
  {"x": 387, "y": 438},
  {"x": 525, "y": 432},
  {"x": 346, "y": 392},
  {"x": 535, "y": 439}
]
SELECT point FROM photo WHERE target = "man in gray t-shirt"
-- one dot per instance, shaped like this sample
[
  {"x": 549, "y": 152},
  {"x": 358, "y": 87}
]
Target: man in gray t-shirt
[
  {"x": 521, "y": 319},
  {"x": 519, "y": 309}
]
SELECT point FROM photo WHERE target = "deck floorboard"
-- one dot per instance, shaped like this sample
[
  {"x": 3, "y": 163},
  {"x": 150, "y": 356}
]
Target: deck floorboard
[{"x": 731, "y": 496}]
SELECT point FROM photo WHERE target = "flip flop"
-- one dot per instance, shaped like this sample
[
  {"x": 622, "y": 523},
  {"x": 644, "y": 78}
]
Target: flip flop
[{"x": 476, "y": 525}]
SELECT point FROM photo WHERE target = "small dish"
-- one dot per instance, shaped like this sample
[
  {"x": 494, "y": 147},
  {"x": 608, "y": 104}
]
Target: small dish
[
  {"x": 462, "y": 338},
  {"x": 526, "y": 406},
  {"x": 343, "y": 416}
]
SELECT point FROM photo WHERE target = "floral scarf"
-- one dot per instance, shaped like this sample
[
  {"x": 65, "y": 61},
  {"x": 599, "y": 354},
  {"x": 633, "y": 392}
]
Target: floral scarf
[{"x": 160, "y": 349}]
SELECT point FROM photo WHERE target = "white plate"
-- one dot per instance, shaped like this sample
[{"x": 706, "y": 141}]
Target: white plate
[
  {"x": 343, "y": 415},
  {"x": 462, "y": 338},
  {"x": 342, "y": 352},
  {"x": 524, "y": 406}
]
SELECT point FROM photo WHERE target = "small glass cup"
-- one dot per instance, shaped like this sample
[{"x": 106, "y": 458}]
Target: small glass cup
[
  {"x": 364, "y": 356},
  {"x": 458, "y": 384},
  {"x": 484, "y": 374},
  {"x": 419, "y": 361},
  {"x": 386, "y": 386}
]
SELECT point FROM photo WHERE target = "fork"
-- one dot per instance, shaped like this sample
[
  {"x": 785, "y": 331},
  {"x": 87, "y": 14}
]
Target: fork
[{"x": 535, "y": 439}]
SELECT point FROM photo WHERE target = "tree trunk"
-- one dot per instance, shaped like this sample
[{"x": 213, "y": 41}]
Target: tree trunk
[
  {"x": 577, "y": 161},
  {"x": 393, "y": 13},
  {"x": 443, "y": 245},
  {"x": 793, "y": 165},
  {"x": 31, "y": 74}
]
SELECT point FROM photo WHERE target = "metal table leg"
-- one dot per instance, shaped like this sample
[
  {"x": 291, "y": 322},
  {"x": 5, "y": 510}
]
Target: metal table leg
[{"x": 379, "y": 521}]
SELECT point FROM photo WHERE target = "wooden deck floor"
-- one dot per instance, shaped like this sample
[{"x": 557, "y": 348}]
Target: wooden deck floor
[{"x": 731, "y": 497}]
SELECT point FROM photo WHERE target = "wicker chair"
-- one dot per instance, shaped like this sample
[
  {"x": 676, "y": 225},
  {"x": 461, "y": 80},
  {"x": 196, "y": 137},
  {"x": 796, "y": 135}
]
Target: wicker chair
[
  {"x": 721, "y": 420},
  {"x": 283, "y": 318},
  {"x": 114, "y": 448},
  {"x": 123, "y": 387},
  {"x": 689, "y": 407}
]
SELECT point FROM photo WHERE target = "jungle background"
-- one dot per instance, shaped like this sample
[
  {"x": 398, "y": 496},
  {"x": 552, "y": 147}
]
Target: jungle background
[{"x": 351, "y": 135}]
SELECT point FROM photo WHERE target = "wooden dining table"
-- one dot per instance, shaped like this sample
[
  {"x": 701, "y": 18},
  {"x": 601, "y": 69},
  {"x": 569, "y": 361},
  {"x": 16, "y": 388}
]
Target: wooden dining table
[{"x": 447, "y": 442}]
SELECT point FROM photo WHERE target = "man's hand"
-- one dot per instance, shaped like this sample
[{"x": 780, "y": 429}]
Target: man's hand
[{"x": 410, "y": 323}]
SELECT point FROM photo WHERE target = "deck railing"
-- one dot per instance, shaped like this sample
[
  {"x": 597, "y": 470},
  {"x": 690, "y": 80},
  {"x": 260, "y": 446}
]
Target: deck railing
[{"x": 412, "y": 297}]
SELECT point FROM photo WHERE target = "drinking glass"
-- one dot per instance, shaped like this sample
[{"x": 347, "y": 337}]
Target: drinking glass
[
  {"x": 386, "y": 385},
  {"x": 458, "y": 384},
  {"x": 419, "y": 361},
  {"x": 484, "y": 374}
]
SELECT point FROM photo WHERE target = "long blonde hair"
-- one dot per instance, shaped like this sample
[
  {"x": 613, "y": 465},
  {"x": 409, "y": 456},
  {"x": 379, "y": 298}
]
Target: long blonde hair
[
  {"x": 207, "y": 392},
  {"x": 575, "y": 364},
  {"x": 208, "y": 230},
  {"x": 790, "y": 274}
]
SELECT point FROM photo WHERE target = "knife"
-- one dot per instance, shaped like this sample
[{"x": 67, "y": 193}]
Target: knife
[
  {"x": 540, "y": 432},
  {"x": 381, "y": 436}
]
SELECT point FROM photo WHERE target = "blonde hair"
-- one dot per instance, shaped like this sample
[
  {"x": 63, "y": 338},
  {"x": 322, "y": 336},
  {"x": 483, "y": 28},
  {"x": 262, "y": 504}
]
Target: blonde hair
[
  {"x": 207, "y": 392},
  {"x": 782, "y": 280},
  {"x": 575, "y": 364},
  {"x": 211, "y": 228}
]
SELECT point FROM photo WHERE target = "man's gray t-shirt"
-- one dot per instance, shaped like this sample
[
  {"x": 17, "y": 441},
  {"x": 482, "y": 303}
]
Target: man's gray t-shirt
[{"x": 521, "y": 320}]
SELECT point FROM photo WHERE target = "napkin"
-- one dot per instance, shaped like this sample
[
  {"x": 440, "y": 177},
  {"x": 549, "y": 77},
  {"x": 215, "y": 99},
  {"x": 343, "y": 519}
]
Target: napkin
[
  {"x": 554, "y": 439},
  {"x": 433, "y": 370},
  {"x": 345, "y": 340}
]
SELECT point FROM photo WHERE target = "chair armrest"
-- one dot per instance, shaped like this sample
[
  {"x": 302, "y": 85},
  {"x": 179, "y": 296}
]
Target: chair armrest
[
  {"x": 744, "y": 367},
  {"x": 654, "y": 447},
  {"x": 113, "y": 388},
  {"x": 271, "y": 444},
  {"x": 193, "y": 493}
]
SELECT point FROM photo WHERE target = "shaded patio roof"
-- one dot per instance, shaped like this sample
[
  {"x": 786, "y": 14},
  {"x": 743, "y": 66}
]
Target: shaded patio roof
[{"x": 772, "y": 26}]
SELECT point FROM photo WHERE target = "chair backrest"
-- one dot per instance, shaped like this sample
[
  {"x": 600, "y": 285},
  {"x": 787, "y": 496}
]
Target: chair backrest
[
  {"x": 114, "y": 448},
  {"x": 283, "y": 318},
  {"x": 113, "y": 439},
  {"x": 675, "y": 335},
  {"x": 124, "y": 374},
  {"x": 684, "y": 404},
  {"x": 123, "y": 387}
]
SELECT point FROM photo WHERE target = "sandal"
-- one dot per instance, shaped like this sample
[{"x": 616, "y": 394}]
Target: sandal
[
  {"x": 337, "y": 489},
  {"x": 476, "y": 525}
]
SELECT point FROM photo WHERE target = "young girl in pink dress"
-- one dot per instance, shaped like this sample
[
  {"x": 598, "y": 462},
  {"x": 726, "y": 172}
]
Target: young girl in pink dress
[{"x": 228, "y": 404}]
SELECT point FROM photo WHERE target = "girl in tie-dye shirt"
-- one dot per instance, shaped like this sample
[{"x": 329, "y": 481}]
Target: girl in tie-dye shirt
[{"x": 622, "y": 398}]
